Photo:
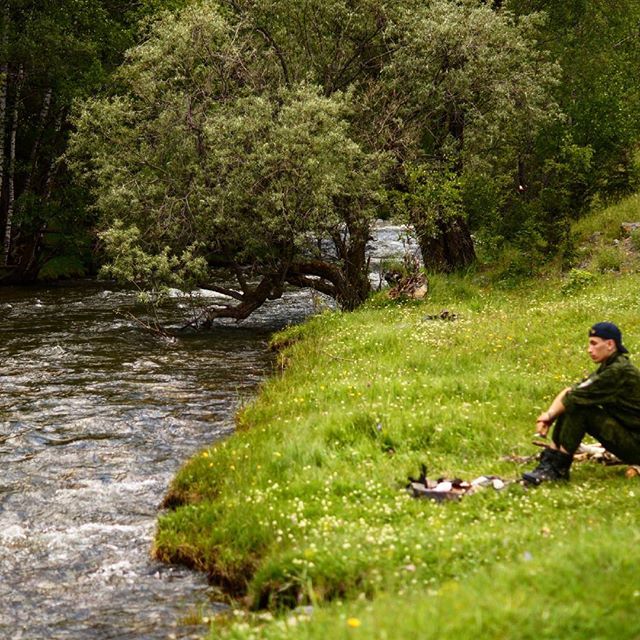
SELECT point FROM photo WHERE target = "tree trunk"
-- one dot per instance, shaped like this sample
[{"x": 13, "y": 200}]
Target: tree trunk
[
  {"x": 42, "y": 120},
  {"x": 452, "y": 249},
  {"x": 356, "y": 286},
  {"x": 4, "y": 81},
  {"x": 250, "y": 301},
  {"x": 12, "y": 170},
  {"x": 54, "y": 162},
  {"x": 455, "y": 126}
]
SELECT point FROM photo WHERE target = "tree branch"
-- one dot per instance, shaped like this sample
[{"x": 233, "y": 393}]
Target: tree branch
[
  {"x": 232, "y": 293},
  {"x": 242, "y": 281},
  {"x": 319, "y": 268},
  {"x": 298, "y": 280},
  {"x": 278, "y": 51},
  {"x": 251, "y": 302}
]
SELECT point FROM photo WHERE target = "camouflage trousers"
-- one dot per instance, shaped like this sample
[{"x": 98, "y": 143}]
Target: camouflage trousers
[{"x": 572, "y": 426}]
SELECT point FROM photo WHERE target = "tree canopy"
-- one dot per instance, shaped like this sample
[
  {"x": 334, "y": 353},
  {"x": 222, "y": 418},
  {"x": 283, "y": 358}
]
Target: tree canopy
[
  {"x": 265, "y": 137},
  {"x": 505, "y": 120}
]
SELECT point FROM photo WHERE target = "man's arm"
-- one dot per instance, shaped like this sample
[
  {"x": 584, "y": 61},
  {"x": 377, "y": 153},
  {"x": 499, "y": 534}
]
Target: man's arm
[{"x": 548, "y": 417}]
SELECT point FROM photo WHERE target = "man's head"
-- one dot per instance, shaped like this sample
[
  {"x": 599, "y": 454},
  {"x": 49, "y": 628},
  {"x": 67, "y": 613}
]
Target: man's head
[{"x": 604, "y": 340}]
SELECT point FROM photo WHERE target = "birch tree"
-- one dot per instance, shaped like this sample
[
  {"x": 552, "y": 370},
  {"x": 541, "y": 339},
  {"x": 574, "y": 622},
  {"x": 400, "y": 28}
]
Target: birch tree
[
  {"x": 4, "y": 81},
  {"x": 50, "y": 54}
]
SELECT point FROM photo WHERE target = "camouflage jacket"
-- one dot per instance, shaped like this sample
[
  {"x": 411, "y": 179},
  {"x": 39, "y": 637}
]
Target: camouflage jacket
[{"x": 614, "y": 386}]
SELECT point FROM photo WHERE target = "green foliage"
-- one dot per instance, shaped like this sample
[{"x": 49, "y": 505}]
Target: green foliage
[
  {"x": 130, "y": 263},
  {"x": 571, "y": 162},
  {"x": 484, "y": 80},
  {"x": 477, "y": 108},
  {"x": 515, "y": 266},
  {"x": 596, "y": 44},
  {"x": 214, "y": 155},
  {"x": 576, "y": 280},
  {"x": 605, "y": 222},
  {"x": 62, "y": 267},
  {"x": 56, "y": 53},
  {"x": 515, "y": 119},
  {"x": 608, "y": 258},
  {"x": 254, "y": 134},
  {"x": 431, "y": 197}
]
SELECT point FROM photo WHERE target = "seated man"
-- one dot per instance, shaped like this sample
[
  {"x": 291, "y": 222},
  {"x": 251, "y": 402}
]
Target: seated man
[{"x": 605, "y": 405}]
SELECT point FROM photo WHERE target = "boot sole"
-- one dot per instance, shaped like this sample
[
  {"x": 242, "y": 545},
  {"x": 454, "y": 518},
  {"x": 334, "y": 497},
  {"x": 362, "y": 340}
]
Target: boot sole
[
  {"x": 532, "y": 480},
  {"x": 538, "y": 481}
]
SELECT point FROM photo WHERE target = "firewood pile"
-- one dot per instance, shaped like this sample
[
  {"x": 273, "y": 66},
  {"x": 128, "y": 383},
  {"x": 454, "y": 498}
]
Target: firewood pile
[
  {"x": 598, "y": 453},
  {"x": 585, "y": 452}
]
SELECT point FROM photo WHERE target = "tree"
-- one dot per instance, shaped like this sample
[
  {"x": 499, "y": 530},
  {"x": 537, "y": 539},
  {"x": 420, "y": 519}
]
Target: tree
[
  {"x": 438, "y": 83},
  {"x": 475, "y": 93},
  {"x": 216, "y": 161},
  {"x": 594, "y": 148},
  {"x": 51, "y": 53},
  {"x": 258, "y": 135}
]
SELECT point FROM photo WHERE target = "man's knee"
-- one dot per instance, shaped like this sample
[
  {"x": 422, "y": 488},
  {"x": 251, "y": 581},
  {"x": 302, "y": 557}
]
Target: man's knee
[
  {"x": 579, "y": 410},
  {"x": 572, "y": 426},
  {"x": 585, "y": 417}
]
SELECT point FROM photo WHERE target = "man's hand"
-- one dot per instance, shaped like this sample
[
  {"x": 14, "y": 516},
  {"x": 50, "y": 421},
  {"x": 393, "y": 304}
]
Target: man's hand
[
  {"x": 548, "y": 417},
  {"x": 542, "y": 428},
  {"x": 543, "y": 422}
]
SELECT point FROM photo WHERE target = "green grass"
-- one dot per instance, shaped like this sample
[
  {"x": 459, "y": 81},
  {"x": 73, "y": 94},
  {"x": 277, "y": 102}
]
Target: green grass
[
  {"x": 607, "y": 222},
  {"x": 548, "y": 593},
  {"x": 305, "y": 503},
  {"x": 602, "y": 245}
]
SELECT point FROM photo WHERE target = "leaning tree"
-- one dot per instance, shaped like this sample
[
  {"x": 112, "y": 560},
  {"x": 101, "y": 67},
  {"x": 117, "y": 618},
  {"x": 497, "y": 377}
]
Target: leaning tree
[
  {"x": 264, "y": 136},
  {"x": 208, "y": 160}
]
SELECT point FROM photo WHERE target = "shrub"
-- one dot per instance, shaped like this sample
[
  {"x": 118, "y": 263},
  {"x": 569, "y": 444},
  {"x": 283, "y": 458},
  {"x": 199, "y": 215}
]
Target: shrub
[
  {"x": 62, "y": 267},
  {"x": 608, "y": 258},
  {"x": 577, "y": 279}
]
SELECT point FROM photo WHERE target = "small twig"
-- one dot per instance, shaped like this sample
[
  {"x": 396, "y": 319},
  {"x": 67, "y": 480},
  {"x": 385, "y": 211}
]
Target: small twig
[{"x": 156, "y": 328}]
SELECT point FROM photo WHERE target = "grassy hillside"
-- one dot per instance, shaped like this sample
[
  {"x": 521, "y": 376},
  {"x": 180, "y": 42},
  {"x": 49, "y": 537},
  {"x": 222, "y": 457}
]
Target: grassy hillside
[{"x": 306, "y": 505}]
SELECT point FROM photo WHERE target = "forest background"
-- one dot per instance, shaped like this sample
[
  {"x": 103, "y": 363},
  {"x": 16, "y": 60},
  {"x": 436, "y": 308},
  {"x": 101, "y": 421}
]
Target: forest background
[{"x": 167, "y": 138}]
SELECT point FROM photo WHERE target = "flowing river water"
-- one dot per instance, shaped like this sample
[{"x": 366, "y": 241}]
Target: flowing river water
[{"x": 95, "y": 418}]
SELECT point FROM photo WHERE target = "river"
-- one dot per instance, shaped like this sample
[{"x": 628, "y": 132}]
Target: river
[{"x": 96, "y": 416}]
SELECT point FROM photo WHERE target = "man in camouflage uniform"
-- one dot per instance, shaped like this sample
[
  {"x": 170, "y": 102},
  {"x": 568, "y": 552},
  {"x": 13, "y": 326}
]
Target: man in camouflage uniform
[{"x": 605, "y": 405}]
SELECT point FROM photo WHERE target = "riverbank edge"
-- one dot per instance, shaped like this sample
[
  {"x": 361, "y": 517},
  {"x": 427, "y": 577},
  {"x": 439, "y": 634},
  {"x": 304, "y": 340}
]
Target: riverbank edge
[{"x": 222, "y": 525}]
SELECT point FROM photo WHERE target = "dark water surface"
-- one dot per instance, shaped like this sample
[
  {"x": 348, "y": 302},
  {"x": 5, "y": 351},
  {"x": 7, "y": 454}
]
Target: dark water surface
[{"x": 95, "y": 418}]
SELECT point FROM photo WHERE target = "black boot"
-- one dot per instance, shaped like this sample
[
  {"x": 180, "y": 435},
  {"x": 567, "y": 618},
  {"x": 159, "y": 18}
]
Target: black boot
[{"x": 554, "y": 465}]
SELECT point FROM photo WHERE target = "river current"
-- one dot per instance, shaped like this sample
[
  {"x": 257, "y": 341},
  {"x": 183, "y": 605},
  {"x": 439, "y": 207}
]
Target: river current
[{"x": 96, "y": 416}]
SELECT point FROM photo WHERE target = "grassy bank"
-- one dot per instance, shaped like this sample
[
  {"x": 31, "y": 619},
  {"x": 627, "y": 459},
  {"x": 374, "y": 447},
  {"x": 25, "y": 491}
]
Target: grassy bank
[{"x": 305, "y": 504}]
